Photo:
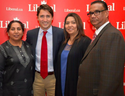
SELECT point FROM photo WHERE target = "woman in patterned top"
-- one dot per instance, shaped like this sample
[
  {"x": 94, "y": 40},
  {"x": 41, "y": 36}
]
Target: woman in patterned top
[{"x": 16, "y": 63}]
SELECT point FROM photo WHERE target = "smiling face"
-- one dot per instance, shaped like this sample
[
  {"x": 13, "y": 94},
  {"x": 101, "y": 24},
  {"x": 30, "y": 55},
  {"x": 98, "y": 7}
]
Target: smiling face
[
  {"x": 71, "y": 26},
  {"x": 45, "y": 19},
  {"x": 15, "y": 32},
  {"x": 101, "y": 18}
]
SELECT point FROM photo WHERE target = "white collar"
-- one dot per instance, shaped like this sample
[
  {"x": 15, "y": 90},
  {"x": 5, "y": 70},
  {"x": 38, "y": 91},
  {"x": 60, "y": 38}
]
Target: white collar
[
  {"x": 48, "y": 31},
  {"x": 100, "y": 28}
]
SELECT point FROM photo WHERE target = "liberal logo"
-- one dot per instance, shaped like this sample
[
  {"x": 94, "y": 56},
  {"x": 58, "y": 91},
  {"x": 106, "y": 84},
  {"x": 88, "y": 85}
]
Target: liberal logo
[
  {"x": 43, "y": 2},
  {"x": 124, "y": 8},
  {"x": 16, "y": 19},
  {"x": 3, "y": 24},
  {"x": 33, "y": 7},
  {"x": 13, "y": 9}
]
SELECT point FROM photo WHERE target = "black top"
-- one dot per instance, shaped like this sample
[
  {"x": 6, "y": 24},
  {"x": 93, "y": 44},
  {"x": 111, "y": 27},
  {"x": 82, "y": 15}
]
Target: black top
[
  {"x": 16, "y": 70},
  {"x": 74, "y": 57}
]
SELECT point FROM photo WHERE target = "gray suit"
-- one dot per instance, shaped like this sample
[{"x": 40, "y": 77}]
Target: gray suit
[{"x": 101, "y": 69}]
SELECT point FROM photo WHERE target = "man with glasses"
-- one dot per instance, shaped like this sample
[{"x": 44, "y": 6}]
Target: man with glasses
[{"x": 101, "y": 69}]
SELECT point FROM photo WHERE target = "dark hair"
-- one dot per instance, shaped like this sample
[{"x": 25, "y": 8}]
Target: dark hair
[
  {"x": 45, "y": 7},
  {"x": 102, "y": 2},
  {"x": 13, "y": 21},
  {"x": 79, "y": 25}
]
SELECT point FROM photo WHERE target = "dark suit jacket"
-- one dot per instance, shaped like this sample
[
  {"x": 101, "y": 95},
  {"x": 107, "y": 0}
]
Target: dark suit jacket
[
  {"x": 101, "y": 69},
  {"x": 74, "y": 57},
  {"x": 58, "y": 37}
]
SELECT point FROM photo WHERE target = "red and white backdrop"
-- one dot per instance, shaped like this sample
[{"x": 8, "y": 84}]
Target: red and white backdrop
[{"x": 25, "y": 11}]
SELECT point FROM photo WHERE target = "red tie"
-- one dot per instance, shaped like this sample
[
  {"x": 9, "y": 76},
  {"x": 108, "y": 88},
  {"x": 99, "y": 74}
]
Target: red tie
[
  {"x": 44, "y": 60},
  {"x": 93, "y": 38}
]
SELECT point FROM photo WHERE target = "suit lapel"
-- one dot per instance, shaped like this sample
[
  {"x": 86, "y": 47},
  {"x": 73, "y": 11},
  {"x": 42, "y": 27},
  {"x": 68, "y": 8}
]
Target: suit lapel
[
  {"x": 34, "y": 41},
  {"x": 54, "y": 41},
  {"x": 36, "y": 35},
  {"x": 91, "y": 46}
]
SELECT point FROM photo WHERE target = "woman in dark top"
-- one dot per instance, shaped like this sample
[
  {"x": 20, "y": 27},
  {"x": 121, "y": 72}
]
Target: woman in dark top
[
  {"x": 70, "y": 55},
  {"x": 16, "y": 63}
]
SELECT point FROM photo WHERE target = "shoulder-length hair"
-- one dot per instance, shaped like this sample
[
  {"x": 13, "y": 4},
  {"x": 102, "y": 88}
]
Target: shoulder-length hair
[{"x": 79, "y": 24}]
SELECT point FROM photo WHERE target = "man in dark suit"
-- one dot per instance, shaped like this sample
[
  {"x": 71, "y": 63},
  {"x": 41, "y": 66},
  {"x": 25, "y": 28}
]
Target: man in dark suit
[
  {"x": 101, "y": 69},
  {"x": 54, "y": 38}
]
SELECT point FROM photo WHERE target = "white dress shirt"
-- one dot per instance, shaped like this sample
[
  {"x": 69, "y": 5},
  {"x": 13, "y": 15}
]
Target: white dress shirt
[
  {"x": 100, "y": 28},
  {"x": 49, "y": 37}
]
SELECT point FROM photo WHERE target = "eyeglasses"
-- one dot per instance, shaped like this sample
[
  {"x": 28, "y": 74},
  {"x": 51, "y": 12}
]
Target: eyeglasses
[{"x": 96, "y": 12}]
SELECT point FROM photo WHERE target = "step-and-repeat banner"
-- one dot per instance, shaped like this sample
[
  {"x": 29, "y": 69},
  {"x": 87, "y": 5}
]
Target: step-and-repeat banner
[{"x": 25, "y": 11}]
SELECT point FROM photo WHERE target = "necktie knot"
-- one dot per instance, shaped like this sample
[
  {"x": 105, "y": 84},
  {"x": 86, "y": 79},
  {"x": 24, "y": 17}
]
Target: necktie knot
[{"x": 44, "y": 32}]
